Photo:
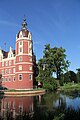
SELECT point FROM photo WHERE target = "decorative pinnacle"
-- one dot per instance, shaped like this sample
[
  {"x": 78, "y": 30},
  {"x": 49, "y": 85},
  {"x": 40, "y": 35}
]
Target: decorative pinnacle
[{"x": 24, "y": 24}]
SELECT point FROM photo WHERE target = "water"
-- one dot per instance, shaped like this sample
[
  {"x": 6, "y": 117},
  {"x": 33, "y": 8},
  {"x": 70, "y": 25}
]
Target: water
[{"x": 39, "y": 104}]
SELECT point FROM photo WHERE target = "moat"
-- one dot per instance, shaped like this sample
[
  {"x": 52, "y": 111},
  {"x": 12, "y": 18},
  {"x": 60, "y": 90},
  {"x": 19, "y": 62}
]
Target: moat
[{"x": 38, "y": 105}]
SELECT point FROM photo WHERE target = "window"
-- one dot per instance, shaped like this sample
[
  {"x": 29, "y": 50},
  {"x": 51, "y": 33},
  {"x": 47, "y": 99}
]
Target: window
[
  {"x": 20, "y": 42},
  {"x": 14, "y": 78},
  {"x": 7, "y": 71},
  {"x": 2, "y": 79},
  {"x": 2, "y": 63},
  {"x": 20, "y": 67},
  {"x": 10, "y": 55},
  {"x": 20, "y": 50},
  {"x": 6, "y": 79},
  {"x": 6, "y": 63},
  {"x": 2, "y": 72},
  {"x": 30, "y": 77},
  {"x": 30, "y": 68},
  {"x": 20, "y": 77},
  {"x": 20, "y": 108},
  {"x": 9, "y": 79},
  {"x": 20, "y": 58}
]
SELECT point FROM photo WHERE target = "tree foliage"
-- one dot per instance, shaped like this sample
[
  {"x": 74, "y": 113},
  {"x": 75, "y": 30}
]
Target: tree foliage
[
  {"x": 53, "y": 61},
  {"x": 78, "y": 75},
  {"x": 70, "y": 76}
]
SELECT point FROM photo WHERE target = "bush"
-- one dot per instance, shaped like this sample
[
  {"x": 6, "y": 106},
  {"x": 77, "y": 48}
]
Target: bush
[{"x": 51, "y": 85}]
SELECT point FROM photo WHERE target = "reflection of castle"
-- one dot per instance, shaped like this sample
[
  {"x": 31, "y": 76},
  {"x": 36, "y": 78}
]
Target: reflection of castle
[
  {"x": 16, "y": 66},
  {"x": 16, "y": 106}
]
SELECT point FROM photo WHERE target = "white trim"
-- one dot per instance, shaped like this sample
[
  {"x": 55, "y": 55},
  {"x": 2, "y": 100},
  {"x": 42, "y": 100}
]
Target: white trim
[
  {"x": 7, "y": 67},
  {"x": 20, "y": 67},
  {"x": 24, "y": 63},
  {"x": 23, "y": 54},
  {"x": 8, "y": 75},
  {"x": 24, "y": 38},
  {"x": 23, "y": 72}
]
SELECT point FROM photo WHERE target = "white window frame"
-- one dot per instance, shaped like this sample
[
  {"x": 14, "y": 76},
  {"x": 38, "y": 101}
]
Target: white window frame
[
  {"x": 2, "y": 63},
  {"x": 9, "y": 79},
  {"x": 20, "y": 67},
  {"x": 2, "y": 72},
  {"x": 20, "y": 59},
  {"x": 14, "y": 78},
  {"x": 20, "y": 43},
  {"x": 20, "y": 75},
  {"x": 30, "y": 68},
  {"x": 7, "y": 71},
  {"x": 6, "y": 63},
  {"x": 30, "y": 77}
]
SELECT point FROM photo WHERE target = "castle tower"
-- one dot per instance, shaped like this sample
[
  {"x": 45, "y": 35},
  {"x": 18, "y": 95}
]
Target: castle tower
[{"x": 24, "y": 64}]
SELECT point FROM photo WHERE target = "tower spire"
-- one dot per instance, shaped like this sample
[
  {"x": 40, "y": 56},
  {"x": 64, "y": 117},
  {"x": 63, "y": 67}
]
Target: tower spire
[{"x": 24, "y": 24}]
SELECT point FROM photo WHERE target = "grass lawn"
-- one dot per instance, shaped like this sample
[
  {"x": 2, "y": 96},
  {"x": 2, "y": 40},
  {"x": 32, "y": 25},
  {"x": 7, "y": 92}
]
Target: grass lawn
[{"x": 71, "y": 86}]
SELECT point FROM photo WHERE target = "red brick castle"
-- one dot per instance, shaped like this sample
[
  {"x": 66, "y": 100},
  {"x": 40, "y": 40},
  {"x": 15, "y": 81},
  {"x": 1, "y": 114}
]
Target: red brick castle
[{"x": 16, "y": 66}]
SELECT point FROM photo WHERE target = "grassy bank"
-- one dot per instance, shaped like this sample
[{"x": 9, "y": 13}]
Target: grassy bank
[{"x": 70, "y": 86}]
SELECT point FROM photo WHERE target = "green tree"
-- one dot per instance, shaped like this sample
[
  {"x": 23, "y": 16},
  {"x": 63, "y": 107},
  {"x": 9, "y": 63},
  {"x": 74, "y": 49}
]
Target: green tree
[
  {"x": 53, "y": 61},
  {"x": 70, "y": 76},
  {"x": 67, "y": 77},
  {"x": 60, "y": 62},
  {"x": 78, "y": 75}
]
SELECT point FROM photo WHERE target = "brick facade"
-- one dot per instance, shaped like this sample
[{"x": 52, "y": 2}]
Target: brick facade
[{"x": 16, "y": 66}]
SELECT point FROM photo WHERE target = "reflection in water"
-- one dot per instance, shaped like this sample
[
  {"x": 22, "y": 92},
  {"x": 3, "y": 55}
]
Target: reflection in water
[
  {"x": 16, "y": 106},
  {"x": 38, "y": 106}
]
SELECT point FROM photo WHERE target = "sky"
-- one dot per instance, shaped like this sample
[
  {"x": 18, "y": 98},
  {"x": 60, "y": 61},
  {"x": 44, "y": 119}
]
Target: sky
[{"x": 54, "y": 22}]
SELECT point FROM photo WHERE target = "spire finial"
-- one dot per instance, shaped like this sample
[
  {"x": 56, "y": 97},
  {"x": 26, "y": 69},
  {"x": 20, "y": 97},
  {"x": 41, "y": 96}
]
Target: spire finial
[{"x": 24, "y": 24}]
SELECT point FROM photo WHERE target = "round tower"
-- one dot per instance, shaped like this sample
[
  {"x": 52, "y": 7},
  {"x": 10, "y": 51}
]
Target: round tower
[{"x": 24, "y": 62}]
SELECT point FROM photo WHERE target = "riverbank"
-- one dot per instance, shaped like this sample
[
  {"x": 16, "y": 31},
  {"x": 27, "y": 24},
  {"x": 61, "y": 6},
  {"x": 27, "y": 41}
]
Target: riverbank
[
  {"x": 23, "y": 92},
  {"x": 70, "y": 86}
]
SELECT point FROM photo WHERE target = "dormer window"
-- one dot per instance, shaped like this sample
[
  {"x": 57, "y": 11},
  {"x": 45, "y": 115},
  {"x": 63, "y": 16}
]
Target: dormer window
[{"x": 10, "y": 54}]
